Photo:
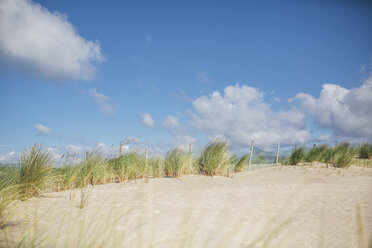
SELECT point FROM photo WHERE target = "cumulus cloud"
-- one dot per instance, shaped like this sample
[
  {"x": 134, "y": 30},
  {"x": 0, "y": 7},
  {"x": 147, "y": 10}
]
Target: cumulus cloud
[
  {"x": 348, "y": 112},
  {"x": 146, "y": 119},
  {"x": 41, "y": 129},
  {"x": 171, "y": 122},
  {"x": 102, "y": 101},
  {"x": 35, "y": 40},
  {"x": 241, "y": 114}
]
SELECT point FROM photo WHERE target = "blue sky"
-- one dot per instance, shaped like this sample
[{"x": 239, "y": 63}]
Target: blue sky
[{"x": 81, "y": 75}]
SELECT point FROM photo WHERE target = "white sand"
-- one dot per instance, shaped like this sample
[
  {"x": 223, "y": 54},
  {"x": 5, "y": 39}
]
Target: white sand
[{"x": 272, "y": 207}]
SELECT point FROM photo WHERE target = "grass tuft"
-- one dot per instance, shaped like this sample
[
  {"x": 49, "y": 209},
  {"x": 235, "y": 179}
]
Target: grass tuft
[
  {"x": 176, "y": 162},
  {"x": 343, "y": 155},
  {"x": 35, "y": 171},
  {"x": 365, "y": 151},
  {"x": 297, "y": 156},
  {"x": 239, "y": 162},
  {"x": 129, "y": 166},
  {"x": 214, "y": 159}
]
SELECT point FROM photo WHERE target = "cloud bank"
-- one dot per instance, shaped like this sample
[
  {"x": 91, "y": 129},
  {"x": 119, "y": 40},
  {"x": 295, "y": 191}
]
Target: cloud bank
[
  {"x": 347, "y": 112},
  {"x": 240, "y": 115},
  {"x": 45, "y": 44}
]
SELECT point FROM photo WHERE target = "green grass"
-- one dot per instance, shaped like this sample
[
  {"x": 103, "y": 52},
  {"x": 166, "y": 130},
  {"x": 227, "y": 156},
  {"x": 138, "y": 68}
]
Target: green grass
[
  {"x": 156, "y": 166},
  {"x": 177, "y": 162},
  {"x": 339, "y": 156},
  {"x": 129, "y": 166},
  {"x": 365, "y": 151},
  {"x": 93, "y": 170},
  {"x": 239, "y": 162},
  {"x": 35, "y": 172},
  {"x": 8, "y": 190},
  {"x": 297, "y": 156},
  {"x": 214, "y": 159},
  {"x": 343, "y": 155},
  {"x": 315, "y": 153}
]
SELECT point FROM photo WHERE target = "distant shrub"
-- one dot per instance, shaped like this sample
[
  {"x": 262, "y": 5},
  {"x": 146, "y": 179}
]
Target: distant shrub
[
  {"x": 35, "y": 171},
  {"x": 214, "y": 159},
  {"x": 176, "y": 162},
  {"x": 297, "y": 156},
  {"x": 365, "y": 151}
]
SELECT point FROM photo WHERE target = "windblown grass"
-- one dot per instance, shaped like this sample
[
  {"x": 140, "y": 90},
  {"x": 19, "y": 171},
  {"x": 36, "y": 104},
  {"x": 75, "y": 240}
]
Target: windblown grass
[
  {"x": 297, "y": 156},
  {"x": 214, "y": 159},
  {"x": 93, "y": 170},
  {"x": 365, "y": 151},
  {"x": 340, "y": 156},
  {"x": 129, "y": 166},
  {"x": 176, "y": 162},
  {"x": 343, "y": 155},
  {"x": 65, "y": 177},
  {"x": 315, "y": 154},
  {"x": 35, "y": 172},
  {"x": 239, "y": 162},
  {"x": 156, "y": 166},
  {"x": 8, "y": 190}
]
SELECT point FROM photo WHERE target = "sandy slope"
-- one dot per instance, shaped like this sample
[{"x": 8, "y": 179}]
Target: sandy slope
[{"x": 272, "y": 207}]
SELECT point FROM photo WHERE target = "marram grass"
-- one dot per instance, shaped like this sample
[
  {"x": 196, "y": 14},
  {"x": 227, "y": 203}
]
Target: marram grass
[
  {"x": 35, "y": 172},
  {"x": 177, "y": 162},
  {"x": 214, "y": 159}
]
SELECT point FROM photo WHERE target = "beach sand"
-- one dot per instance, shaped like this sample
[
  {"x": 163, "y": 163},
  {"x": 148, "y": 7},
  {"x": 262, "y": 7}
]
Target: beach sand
[{"x": 284, "y": 206}]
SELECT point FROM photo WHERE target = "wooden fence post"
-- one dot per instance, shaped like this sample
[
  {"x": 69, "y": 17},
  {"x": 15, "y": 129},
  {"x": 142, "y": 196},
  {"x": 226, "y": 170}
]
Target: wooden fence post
[
  {"x": 250, "y": 155},
  {"x": 277, "y": 155},
  {"x": 86, "y": 155},
  {"x": 190, "y": 149},
  {"x": 121, "y": 149}
]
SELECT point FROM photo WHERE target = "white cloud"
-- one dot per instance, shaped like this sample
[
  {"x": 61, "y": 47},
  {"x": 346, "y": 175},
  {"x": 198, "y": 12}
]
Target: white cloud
[
  {"x": 171, "y": 122},
  {"x": 35, "y": 40},
  {"x": 102, "y": 101},
  {"x": 11, "y": 157},
  {"x": 348, "y": 112},
  {"x": 146, "y": 119},
  {"x": 202, "y": 76},
  {"x": 41, "y": 129},
  {"x": 241, "y": 115},
  {"x": 277, "y": 99}
]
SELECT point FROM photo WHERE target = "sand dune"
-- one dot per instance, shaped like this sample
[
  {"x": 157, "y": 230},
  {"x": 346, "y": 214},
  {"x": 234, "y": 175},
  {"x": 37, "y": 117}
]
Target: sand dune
[{"x": 272, "y": 207}]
